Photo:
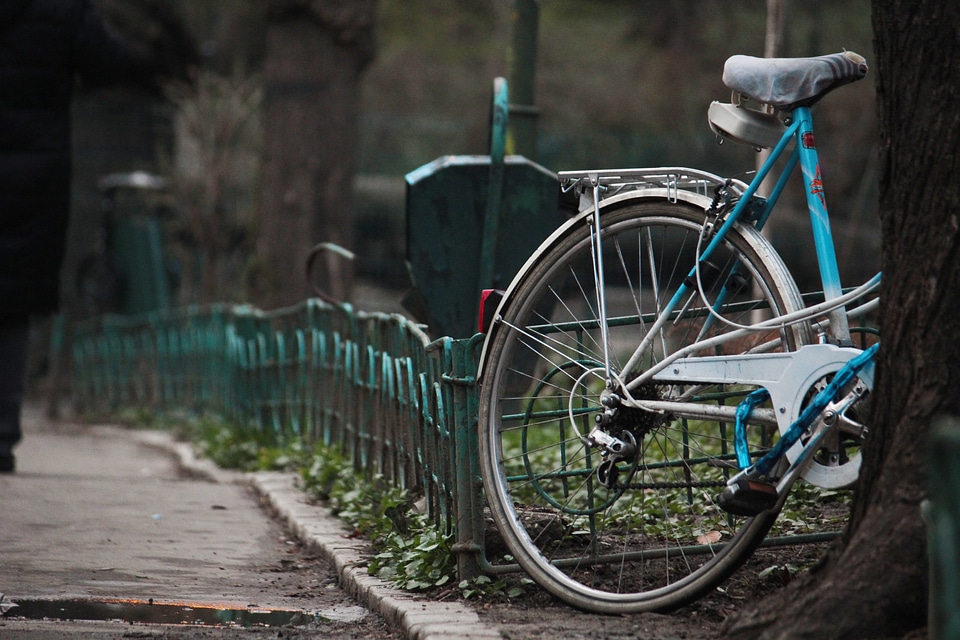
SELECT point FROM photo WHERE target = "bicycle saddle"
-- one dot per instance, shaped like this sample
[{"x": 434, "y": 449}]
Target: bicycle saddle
[{"x": 787, "y": 83}]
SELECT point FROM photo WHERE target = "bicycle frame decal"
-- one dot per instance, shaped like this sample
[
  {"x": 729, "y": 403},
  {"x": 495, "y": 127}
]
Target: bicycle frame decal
[{"x": 816, "y": 187}]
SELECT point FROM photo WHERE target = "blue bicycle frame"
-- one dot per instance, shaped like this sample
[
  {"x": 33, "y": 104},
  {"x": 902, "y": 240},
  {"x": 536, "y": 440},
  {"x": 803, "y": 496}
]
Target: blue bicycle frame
[
  {"x": 800, "y": 131},
  {"x": 804, "y": 151}
]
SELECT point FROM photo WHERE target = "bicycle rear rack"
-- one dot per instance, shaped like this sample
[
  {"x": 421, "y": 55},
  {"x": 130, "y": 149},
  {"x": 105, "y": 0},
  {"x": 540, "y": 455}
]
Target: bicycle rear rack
[{"x": 673, "y": 179}]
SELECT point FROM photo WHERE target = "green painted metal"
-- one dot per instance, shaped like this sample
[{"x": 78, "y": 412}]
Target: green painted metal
[
  {"x": 134, "y": 241},
  {"x": 491, "y": 217},
  {"x": 446, "y": 201},
  {"x": 942, "y": 515},
  {"x": 522, "y": 59},
  {"x": 472, "y": 221}
]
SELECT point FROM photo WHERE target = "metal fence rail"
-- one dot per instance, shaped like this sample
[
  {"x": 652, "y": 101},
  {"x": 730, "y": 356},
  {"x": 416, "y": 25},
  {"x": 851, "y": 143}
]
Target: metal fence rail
[{"x": 370, "y": 385}]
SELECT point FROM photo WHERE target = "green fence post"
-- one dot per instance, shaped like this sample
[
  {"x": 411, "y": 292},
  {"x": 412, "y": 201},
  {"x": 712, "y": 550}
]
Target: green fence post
[
  {"x": 942, "y": 515},
  {"x": 469, "y": 498}
]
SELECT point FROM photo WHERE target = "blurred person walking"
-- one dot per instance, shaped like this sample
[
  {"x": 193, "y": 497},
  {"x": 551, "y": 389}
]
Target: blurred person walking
[{"x": 45, "y": 47}]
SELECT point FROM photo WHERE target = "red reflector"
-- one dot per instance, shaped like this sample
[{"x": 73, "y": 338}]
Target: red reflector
[
  {"x": 489, "y": 301},
  {"x": 808, "y": 141}
]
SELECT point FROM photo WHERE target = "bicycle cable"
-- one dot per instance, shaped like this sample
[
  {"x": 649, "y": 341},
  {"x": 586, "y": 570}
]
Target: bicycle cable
[
  {"x": 703, "y": 295},
  {"x": 822, "y": 308}
]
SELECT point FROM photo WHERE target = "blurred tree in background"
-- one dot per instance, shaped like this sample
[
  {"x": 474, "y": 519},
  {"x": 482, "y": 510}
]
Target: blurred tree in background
[
  {"x": 215, "y": 173},
  {"x": 315, "y": 53},
  {"x": 215, "y": 165}
]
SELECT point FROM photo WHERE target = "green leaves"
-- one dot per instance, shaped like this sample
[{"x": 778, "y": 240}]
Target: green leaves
[
  {"x": 485, "y": 586},
  {"x": 243, "y": 447},
  {"x": 422, "y": 560},
  {"x": 411, "y": 552}
]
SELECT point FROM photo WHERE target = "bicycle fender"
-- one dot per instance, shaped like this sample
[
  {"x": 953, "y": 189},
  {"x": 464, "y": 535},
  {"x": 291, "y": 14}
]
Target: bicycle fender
[{"x": 671, "y": 196}]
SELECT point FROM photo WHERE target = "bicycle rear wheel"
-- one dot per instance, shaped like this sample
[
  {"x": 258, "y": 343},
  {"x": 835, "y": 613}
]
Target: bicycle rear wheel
[{"x": 643, "y": 533}]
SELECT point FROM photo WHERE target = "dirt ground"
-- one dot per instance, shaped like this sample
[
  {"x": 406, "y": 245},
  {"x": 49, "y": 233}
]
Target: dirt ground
[{"x": 538, "y": 616}]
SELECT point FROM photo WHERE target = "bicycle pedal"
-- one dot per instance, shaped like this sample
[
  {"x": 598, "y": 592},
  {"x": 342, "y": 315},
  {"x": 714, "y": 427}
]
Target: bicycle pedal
[{"x": 748, "y": 497}]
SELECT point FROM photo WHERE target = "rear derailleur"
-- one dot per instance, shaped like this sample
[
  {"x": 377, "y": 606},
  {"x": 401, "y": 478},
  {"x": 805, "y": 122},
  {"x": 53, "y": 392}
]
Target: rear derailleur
[{"x": 613, "y": 450}]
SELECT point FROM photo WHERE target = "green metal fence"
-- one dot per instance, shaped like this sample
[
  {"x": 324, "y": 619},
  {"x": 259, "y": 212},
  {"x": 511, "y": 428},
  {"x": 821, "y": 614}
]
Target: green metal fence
[{"x": 371, "y": 385}]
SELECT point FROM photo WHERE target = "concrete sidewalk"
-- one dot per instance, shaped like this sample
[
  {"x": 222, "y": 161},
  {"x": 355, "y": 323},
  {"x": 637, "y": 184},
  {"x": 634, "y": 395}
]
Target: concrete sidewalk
[{"x": 103, "y": 512}]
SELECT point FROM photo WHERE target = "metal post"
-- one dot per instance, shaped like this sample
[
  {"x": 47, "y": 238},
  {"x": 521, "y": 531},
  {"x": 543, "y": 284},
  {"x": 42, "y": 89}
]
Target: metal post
[
  {"x": 773, "y": 48},
  {"x": 522, "y": 61},
  {"x": 941, "y": 513},
  {"x": 491, "y": 220},
  {"x": 461, "y": 382}
]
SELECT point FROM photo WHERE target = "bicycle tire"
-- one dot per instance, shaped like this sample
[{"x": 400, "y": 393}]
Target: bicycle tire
[{"x": 628, "y": 548}]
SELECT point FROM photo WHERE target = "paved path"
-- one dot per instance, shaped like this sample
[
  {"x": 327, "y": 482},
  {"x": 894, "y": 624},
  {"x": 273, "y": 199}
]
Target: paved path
[
  {"x": 91, "y": 513},
  {"x": 105, "y": 512}
]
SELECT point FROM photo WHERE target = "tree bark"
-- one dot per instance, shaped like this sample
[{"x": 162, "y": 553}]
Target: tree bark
[
  {"x": 874, "y": 584},
  {"x": 316, "y": 51}
]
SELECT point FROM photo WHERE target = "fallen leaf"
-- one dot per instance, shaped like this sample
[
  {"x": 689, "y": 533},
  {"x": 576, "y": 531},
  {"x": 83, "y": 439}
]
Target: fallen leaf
[{"x": 710, "y": 537}]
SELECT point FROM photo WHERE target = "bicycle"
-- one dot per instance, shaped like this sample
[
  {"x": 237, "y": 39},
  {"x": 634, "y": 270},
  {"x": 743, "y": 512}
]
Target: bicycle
[{"x": 653, "y": 383}]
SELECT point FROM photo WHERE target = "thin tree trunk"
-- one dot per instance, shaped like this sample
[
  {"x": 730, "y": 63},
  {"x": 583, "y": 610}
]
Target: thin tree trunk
[
  {"x": 316, "y": 52},
  {"x": 773, "y": 47},
  {"x": 874, "y": 585}
]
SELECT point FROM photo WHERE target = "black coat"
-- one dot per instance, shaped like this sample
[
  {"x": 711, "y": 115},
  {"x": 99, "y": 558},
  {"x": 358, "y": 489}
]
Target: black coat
[{"x": 45, "y": 45}]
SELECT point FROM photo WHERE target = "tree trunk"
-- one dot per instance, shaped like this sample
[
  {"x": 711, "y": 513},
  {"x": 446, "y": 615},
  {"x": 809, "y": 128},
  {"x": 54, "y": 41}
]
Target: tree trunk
[
  {"x": 874, "y": 584},
  {"x": 316, "y": 52}
]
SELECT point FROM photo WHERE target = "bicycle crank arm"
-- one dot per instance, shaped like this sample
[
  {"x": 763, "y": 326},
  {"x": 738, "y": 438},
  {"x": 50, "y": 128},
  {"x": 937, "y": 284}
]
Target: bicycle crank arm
[
  {"x": 820, "y": 429},
  {"x": 748, "y": 494},
  {"x": 828, "y": 422}
]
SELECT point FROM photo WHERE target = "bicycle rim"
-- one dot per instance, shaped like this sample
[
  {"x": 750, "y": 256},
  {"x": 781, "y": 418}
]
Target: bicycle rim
[{"x": 653, "y": 538}]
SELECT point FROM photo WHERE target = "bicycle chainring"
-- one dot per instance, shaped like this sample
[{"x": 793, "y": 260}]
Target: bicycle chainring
[{"x": 836, "y": 464}]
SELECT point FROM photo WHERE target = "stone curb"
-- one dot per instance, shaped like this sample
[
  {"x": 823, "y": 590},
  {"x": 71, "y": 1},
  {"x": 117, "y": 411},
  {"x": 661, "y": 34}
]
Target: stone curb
[{"x": 418, "y": 617}]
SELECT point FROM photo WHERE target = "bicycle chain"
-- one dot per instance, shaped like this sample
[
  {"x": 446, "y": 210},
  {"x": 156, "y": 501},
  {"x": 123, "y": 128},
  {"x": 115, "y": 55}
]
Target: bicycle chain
[{"x": 705, "y": 484}]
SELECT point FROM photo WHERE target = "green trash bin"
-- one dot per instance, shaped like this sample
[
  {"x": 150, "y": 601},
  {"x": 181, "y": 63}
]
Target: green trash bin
[
  {"x": 446, "y": 207},
  {"x": 128, "y": 272}
]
